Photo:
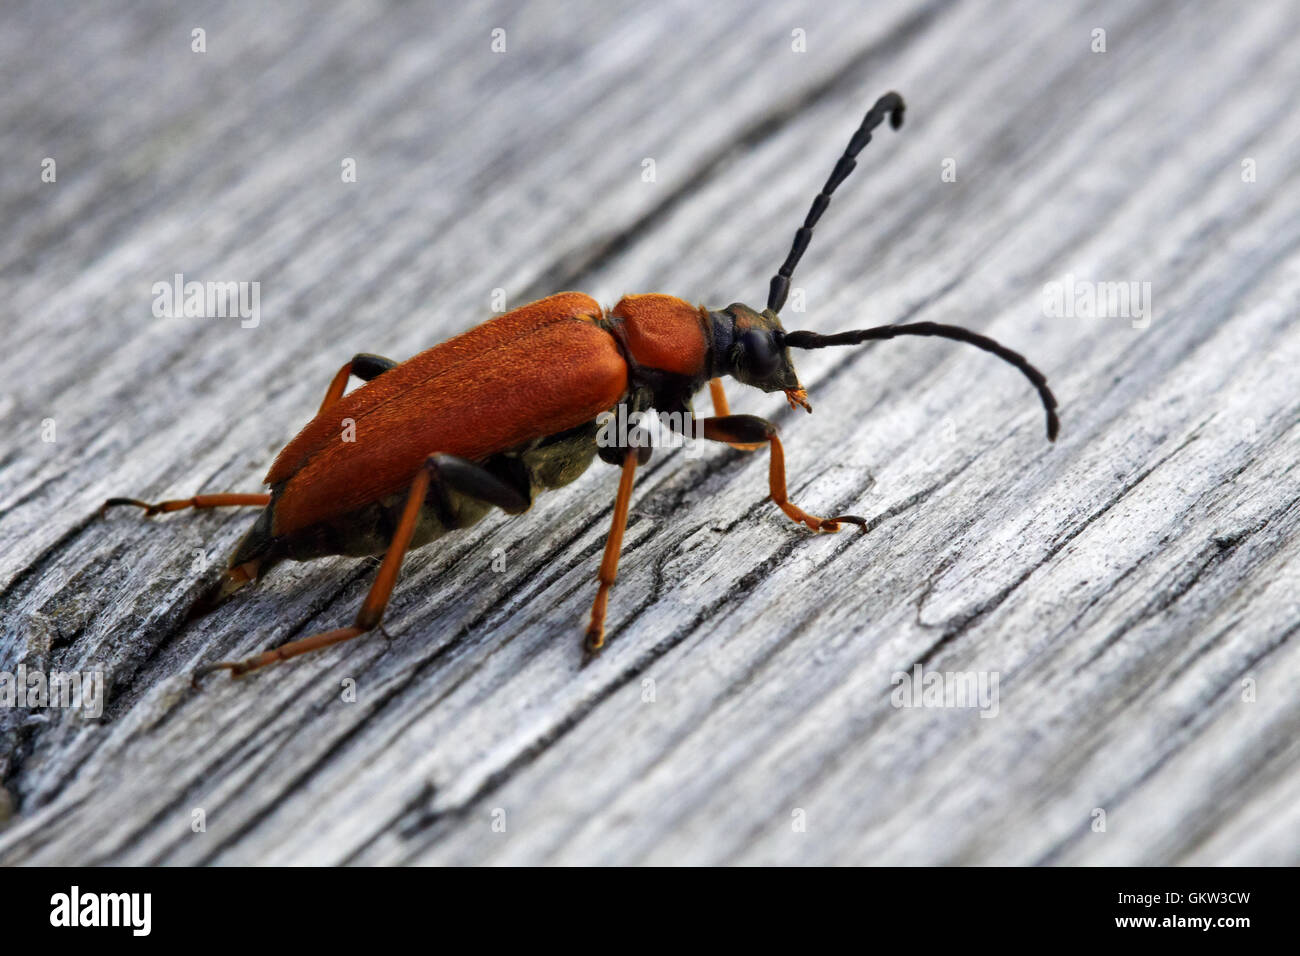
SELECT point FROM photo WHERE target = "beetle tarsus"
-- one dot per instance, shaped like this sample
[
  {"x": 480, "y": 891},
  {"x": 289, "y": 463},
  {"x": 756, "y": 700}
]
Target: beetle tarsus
[
  {"x": 203, "y": 670},
  {"x": 149, "y": 510},
  {"x": 850, "y": 519},
  {"x": 592, "y": 645},
  {"x": 196, "y": 501}
]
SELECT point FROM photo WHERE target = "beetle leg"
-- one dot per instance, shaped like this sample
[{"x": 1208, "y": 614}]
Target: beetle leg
[
  {"x": 719, "y": 395},
  {"x": 722, "y": 410},
  {"x": 439, "y": 472},
  {"x": 364, "y": 366},
  {"x": 751, "y": 428},
  {"x": 372, "y": 608},
  {"x": 595, "y": 638},
  {"x": 475, "y": 481},
  {"x": 177, "y": 504}
]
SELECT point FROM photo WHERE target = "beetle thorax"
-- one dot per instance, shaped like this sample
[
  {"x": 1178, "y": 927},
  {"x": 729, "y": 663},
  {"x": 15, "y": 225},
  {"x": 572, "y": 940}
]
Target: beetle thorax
[{"x": 663, "y": 333}]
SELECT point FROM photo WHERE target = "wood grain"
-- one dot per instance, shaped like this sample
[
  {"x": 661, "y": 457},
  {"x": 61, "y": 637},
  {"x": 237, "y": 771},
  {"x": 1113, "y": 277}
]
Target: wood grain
[{"x": 1134, "y": 587}]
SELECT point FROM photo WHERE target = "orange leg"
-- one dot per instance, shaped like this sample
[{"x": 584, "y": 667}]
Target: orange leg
[
  {"x": 337, "y": 385},
  {"x": 750, "y": 428},
  {"x": 440, "y": 472},
  {"x": 372, "y": 608},
  {"x": 722, "y": 410},
  {"x": 595, "y": 638},
  {"x": 177, "y": 504},
  {"x": 719, "y": 395},
  {"x": 364, "y": 366}
]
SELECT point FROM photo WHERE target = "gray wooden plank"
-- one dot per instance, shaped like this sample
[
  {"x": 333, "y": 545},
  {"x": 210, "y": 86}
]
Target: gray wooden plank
[{"x": 1122, "y": 584}]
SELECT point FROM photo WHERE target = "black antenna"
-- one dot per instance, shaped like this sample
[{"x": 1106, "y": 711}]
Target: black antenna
[
  {"x": 891, "y": 105},
  {"x": 811, "y": 340}
]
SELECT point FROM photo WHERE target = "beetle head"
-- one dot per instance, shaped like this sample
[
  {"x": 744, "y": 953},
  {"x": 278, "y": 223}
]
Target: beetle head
[{"x": 750, "y": 347}]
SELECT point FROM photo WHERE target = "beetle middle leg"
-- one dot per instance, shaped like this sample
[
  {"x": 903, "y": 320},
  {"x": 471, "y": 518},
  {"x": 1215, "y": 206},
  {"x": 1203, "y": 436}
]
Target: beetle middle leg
[
  {"x": 439, "y": 474},
  {"x": 750, "y": 429},
  {"x": 595, "y": 638}
]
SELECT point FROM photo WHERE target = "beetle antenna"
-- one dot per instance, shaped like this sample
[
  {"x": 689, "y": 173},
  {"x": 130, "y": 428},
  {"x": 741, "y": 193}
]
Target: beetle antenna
[
  {"x": 811, "y": 340},
  {"x": 891, "y": 105}
]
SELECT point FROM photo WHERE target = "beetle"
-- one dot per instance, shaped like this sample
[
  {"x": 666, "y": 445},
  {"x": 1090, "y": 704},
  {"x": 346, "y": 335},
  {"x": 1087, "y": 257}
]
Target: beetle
[{"x": 492, "y": 417}]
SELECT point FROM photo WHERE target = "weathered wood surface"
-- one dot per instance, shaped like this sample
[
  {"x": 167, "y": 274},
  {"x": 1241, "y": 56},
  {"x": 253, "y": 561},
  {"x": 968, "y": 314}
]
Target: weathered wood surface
[{"x": 1126, "y": 584}]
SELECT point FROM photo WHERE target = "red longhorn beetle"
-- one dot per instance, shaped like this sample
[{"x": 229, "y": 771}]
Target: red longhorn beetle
[{"x": 510, "y": 408}]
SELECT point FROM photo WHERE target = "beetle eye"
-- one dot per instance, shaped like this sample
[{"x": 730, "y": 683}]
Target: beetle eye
[{"x": 761, "y": 356}]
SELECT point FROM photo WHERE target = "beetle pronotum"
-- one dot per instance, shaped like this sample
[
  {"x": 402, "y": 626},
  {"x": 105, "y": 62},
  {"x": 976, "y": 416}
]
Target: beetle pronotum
[{"x": 490, "y": 419}]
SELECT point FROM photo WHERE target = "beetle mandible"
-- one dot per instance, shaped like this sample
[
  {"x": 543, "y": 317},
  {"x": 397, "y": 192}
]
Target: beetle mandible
[{"x": 478, "y": 422}]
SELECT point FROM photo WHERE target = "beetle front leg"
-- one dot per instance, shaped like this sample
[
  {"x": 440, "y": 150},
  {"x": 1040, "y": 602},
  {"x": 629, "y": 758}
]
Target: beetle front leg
[
  {"x": 595, "y": 638},
  {"x": 718, "y": 395},
  {"x": 752, "y": 429}
]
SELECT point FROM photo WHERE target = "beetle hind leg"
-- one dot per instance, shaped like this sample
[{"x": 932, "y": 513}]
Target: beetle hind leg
[
  {"x": 179, "y": 504},
  {"x": 440, "y": 473},
  {"x": 372, "y": 609},
  {"x": 452, "y": 473},
  {"x": 364, "y": 366}
]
